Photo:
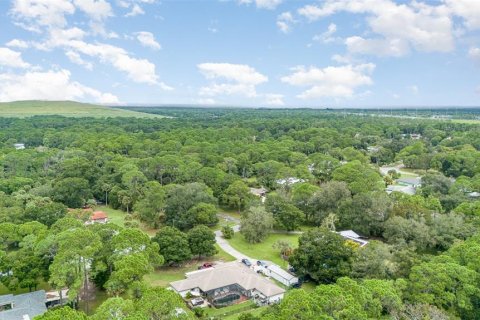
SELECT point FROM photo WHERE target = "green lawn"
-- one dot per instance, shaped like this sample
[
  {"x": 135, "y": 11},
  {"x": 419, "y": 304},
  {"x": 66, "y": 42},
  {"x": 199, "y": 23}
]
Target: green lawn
[
  {"x": 213, "y": 312},
  {"x": 118, "y": 217},
  {"x": 264, "y": 250},
  {"x": 163, "y": 276},
  {"x": 22, "y": 109},
  {"x": 255, "y": 312},
  {"x": 43, "y": 285}
]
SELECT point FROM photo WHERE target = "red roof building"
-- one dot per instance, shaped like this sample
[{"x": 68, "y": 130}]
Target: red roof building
[{"x": 98, "y": 217}]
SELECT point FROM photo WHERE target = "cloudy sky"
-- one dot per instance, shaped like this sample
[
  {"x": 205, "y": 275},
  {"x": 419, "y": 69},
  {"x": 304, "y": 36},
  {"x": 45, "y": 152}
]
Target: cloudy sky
[{"x": 242, "y": 52}]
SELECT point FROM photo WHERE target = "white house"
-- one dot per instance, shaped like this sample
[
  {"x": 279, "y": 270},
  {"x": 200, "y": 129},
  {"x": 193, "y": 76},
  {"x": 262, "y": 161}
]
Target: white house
[{"x": 19, "y": 146}]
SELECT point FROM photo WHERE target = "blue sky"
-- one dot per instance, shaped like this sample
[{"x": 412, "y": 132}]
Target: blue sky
[{"x": 275, "y": 53}]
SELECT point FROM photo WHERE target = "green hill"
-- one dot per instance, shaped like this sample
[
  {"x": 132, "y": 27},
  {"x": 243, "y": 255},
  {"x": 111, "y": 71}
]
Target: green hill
[{"x": 22, "y": 109}]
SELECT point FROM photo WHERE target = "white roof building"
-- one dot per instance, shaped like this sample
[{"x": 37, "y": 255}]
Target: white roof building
[
  {"x": 282, "y": 276},
  {"x": 352, "y": 235}
]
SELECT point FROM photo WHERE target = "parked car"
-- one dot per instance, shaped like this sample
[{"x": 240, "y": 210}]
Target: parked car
[
  {"x": 196, "y": 301},
  {"x": 261, "y": 263},
  {"x": 205, "y": 265},
  {"x": 246, "y": 262}
]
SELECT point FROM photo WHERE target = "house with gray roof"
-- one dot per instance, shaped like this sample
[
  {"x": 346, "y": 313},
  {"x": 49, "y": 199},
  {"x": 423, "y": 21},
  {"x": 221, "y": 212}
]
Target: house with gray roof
[
  {"x": 24, "y": 306},
  {"x": 229, "y": 283}
]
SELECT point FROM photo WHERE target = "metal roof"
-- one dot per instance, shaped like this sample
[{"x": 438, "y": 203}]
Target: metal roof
[{"x": 282, "y": 273}]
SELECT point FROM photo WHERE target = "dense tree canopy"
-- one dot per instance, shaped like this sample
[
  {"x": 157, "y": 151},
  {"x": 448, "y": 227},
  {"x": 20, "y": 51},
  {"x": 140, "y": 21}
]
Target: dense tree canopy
[{"x": 176, "y": 174}]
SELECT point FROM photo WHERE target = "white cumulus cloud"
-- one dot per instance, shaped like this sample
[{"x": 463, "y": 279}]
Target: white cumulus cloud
[
  {"x": 334, "y": 82},
  {"x": 285, "y": 21},
  {"x": 399, "y": 27},
  {"x": 469, "y": 10},
  {"x": 380, "y": 47},
  {"x": 327, "y": 36},
  {"x": 95, "y": 9},
  {"x": 233, "y": 79},
  {"x": 147, "y": 39},
  {"x": 135, "y": 11},
  {"x": 49, "y": 85},
  {"x": 12, "y": 59},
  {"x": 17, "y": 43},
  {"x": 43, "y": 12},
  {"x": 77, "y": 59}
]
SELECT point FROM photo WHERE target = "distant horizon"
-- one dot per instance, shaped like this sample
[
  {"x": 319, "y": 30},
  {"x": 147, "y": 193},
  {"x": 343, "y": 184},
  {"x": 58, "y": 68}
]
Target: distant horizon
[{"x": 199, "y": 105}]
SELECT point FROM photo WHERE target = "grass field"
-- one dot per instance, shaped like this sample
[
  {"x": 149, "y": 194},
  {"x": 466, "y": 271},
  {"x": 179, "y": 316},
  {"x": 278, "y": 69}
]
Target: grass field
[
  {"x": 118, "y": 217},
  {"x": 4, "y": 290},
  {"x": 264, "y": 250},
  {"x": 22, "y": 109}
]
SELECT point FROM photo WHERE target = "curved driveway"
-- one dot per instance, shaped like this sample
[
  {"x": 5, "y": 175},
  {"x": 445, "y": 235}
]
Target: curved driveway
[{"x": 223, "y": 243}]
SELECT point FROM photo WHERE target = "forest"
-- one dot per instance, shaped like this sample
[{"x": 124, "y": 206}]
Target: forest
[{"x": 173, "y": 176}]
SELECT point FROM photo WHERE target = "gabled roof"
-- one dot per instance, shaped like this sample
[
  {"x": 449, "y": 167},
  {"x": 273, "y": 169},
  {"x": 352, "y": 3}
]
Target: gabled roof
[
  {"x": 98, "y": 215},
  {"x": 25, "y": 306},
  {"x": 224, "y": 275}
]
